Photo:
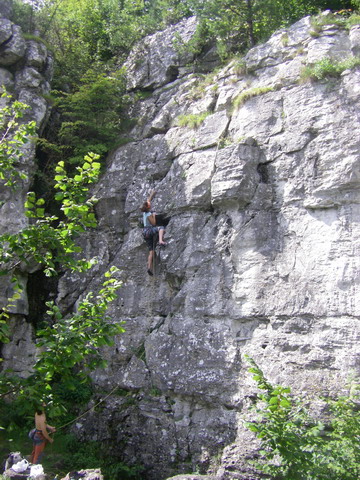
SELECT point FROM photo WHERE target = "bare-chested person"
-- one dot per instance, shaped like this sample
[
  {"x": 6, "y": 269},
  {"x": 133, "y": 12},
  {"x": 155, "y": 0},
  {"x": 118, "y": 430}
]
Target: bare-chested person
[{"x": 41, "y": 435}]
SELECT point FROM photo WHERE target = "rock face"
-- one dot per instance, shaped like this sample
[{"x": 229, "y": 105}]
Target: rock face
[
  {"x": 25, "y": 71},
  {"x": 6, "y": 8},
  {"x": 262, "y": 255}
]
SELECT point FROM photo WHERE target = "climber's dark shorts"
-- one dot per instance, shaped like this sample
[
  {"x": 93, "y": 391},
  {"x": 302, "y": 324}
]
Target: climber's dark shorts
[{"x": 152, "y": 241}]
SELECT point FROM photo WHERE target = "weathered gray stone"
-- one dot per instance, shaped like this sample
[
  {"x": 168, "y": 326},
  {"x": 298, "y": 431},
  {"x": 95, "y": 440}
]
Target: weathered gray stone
[
  {"x": 37, "y": 103},
  {"x": 257, "y": 275},
  {"x": 6, "y": 79},
  {"x": 156, "y": 59},
  {"x": 13, "y": 49},
  {"x": 193, "y": 477},
  {"x": 333, "y": 44},
  {"x": 28, "y": 77},
  {"x": 236, "y": 177},
  {"x": 36, "y": 54},
  {"x": 90, "y": 474},
  {"x": 12, "y": 217},
  {"x": 5, "y": 30},
  {"x": 354, "y": 36},
  {"x": 262, "y": 254},
  {"x": 12, "y": 475},
  {"x": 6, "y": 8},
  {"x": 27, "y": 84},
  {"x": 19, "y": 354}
]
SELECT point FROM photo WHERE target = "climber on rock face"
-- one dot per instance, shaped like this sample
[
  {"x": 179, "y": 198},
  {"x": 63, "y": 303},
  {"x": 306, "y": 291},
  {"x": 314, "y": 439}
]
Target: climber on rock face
[{"x": 152, "y": 233}]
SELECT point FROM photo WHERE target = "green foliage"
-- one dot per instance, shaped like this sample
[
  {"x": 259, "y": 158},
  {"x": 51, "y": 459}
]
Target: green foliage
[
  {"x": 75, "y": 341},
  {"x": 47, "y": 240},
  {"x": 88, "y": 31},
  {"x": 320, "y": 21},
  {"x": 23, "y": 15},
  {"x": 91, "y": 116},
  {"x": 14, "y": 134},
  {"x": 197, "y": 42},
  {"x": 297, "y": 447},
  {"x": 236, "y": 26},
  {"x": 327, "y": 68},
  {"x": 66, "y": 454},
  {"x": 93, "y": 455},
  {"x": 161, "y": 13},
  {"x": 90, "y": 39},
  {"x": 69, "y": 348},
  {"x": 191, "y": 120},
  {"x": 342, "y": 19},
  {"x": 68, "y": 345},
  {"x": 16, "y": 289},
  {"x": 247, "y": 94},
  {"x": 353, "y": 20}
]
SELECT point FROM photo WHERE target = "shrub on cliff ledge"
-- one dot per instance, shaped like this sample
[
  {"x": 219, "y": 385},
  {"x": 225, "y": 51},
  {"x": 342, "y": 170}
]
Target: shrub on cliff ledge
[
  {"x": 192, "y": 120},
  {"x": 327, "y": 68}
]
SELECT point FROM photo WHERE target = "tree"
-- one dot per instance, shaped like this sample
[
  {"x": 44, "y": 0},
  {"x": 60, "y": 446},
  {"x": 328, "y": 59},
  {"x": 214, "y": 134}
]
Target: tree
[
  {"x": 69, "y": 343},
  {"x": 237, "y": 25},
  {"x": 13, "y": 136},
  {"x": 296, "y": 446},
  {"x": 91, "y": 117}
]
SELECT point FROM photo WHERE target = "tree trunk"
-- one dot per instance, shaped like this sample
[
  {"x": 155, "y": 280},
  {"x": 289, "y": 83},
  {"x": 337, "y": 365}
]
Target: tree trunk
[{"x": 250, "y": 22}]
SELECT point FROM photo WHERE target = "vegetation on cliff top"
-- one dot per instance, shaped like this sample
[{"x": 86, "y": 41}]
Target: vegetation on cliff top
[{"x": 91, "y": 39}]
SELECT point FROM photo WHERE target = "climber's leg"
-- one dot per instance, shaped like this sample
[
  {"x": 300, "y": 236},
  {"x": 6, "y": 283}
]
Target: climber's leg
[
  {"x": 161, "y": 236},
  {"x": 150, "y": 262}
]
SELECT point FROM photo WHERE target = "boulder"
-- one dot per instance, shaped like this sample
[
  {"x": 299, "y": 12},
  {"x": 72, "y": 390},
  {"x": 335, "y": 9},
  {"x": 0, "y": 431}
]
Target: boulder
[
  {"x": 157, "y": 59},
  {"x": 90, "y": 474},
  {"x": 13, "y": 48},
  {"x": 6, "y": 8}
]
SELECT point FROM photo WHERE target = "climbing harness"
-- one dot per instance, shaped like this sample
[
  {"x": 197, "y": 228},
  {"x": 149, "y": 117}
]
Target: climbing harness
[{"x": 149, "y": 231}]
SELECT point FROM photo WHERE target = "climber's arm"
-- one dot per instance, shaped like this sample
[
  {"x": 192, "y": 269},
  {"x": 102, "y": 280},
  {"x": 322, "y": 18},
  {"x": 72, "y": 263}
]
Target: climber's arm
[{"x": 152, "y": 195}]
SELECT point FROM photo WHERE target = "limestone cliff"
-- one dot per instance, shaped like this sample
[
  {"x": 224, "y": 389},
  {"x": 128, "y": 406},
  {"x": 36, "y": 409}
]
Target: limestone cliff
[
  {"x": 25, "y": 71},
  {"x": 262, "y": 255}
]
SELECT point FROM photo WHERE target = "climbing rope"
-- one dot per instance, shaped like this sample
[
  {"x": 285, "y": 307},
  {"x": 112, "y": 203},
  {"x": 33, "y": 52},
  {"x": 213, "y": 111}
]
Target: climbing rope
[
  {"x": 87, "y": 411},
  {"x": 154, "y": 255}
]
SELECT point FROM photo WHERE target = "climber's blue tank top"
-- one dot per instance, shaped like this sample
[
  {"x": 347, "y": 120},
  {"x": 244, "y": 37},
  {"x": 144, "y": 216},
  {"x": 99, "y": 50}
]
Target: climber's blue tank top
[{"x": 146, "y": 221}]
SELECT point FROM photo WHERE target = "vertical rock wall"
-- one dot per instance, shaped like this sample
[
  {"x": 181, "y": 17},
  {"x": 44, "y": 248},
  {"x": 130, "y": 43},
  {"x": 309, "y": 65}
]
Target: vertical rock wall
[
  {"x": 25, "y": 71},
  {"x": 262, "y": 255}
]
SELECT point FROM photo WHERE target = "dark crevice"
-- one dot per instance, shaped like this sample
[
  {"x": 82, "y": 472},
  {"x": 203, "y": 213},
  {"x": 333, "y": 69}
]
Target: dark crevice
[
  {"x": 40, "y": 289},
  {"x": 172, "y": 74},
  {"x": 262, "y": 170}
]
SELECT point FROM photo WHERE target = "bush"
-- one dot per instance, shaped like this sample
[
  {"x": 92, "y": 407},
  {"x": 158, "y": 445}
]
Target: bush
[
  {"x": 253, "y": 92},
  {"x": 192, "y": 120},
  {"x": 296, "y": 446},
  {"x": 91, "y": 116},
  {"x": 95, "y": 455},
  {"x": 327, "y": 68}
]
